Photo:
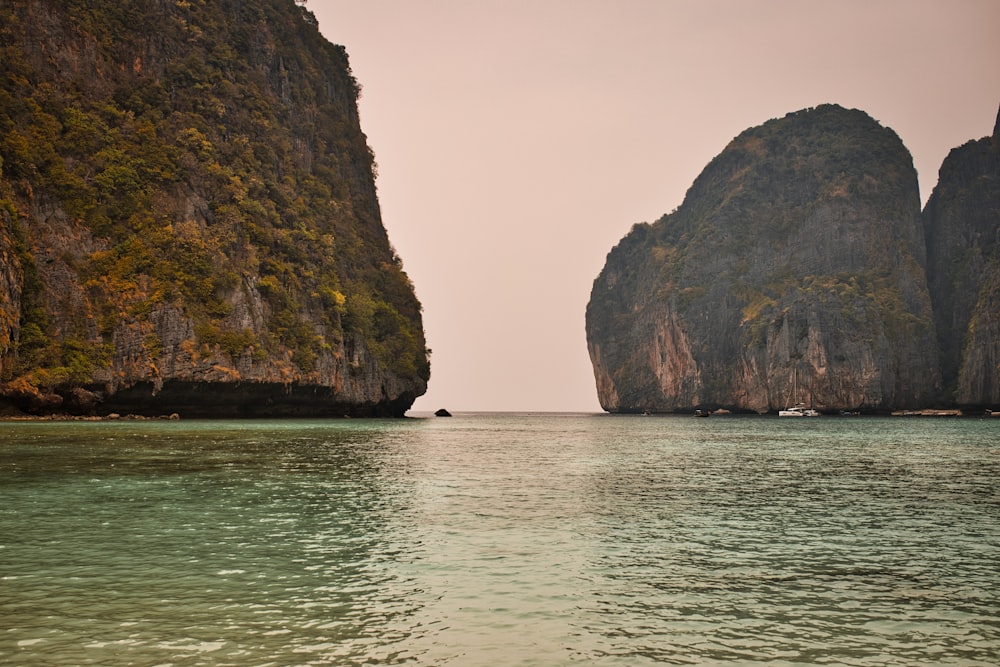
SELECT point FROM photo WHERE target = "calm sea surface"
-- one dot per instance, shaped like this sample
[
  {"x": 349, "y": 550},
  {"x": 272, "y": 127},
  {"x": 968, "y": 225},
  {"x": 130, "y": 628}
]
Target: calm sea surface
[{"x": 501, "y": 539}]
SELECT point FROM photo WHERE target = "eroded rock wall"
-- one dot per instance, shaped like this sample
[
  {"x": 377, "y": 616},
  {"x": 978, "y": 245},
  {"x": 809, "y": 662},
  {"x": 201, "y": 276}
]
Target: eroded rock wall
[{"x": 962, "y": 223}]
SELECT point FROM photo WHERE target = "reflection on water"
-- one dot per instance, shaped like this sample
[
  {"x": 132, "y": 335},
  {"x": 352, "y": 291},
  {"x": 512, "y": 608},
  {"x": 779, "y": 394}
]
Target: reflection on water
[{"x": 501, "y": 540}]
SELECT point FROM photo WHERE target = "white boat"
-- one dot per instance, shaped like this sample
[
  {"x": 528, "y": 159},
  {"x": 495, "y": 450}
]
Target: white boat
[{"x": 798, "y": 410}]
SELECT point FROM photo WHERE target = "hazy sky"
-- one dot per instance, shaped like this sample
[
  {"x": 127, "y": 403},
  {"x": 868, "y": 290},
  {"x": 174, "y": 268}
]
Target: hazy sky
[{"x": 519, "y": 140}]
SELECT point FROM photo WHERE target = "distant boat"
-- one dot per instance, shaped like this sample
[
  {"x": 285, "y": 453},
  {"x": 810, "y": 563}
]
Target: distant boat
[
  {"x": 702, "y": 413},
  {"x": 798, "y": 410}
]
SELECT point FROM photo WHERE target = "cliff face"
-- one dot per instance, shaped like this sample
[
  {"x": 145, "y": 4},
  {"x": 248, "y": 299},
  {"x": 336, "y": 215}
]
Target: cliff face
[
  {"x": 962, "y": 223},
  {"x": 794, "y": 271},
  {"x": 188, "y": 217}
]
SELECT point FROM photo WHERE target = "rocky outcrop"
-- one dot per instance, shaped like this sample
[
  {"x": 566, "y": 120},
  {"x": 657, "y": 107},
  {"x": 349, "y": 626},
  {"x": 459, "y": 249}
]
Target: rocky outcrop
[
  {"x": 11, "y": 279},
  {"x": 794, "y": 271},
  {"x": 188, "y": 218},
  {"x": 962, "y": 224}
]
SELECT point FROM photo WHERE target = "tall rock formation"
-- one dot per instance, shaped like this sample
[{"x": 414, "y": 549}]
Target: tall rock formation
[
  {"x": 962, "y": 223},
  {"x": 794, "y": 271},
  {"x": 188, "y": 217}
]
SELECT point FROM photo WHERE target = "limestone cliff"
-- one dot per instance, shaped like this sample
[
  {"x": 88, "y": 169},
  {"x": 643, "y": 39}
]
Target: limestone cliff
[
  {"x": 188, "y": 217},
  {"x": 794, "y": 271},
  {"x": 962, "y": 223}
]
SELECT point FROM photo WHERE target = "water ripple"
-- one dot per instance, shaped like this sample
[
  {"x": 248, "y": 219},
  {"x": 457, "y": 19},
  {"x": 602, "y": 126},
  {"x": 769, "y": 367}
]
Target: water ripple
[{"x": 501, "y": 540}]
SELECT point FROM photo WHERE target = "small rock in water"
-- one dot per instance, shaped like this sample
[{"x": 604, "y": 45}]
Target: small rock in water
[{"x": 442, "y": 413}]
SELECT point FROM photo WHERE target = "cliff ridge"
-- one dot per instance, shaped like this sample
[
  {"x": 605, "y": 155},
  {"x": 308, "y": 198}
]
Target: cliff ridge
[{"x": 793, "y": 272}]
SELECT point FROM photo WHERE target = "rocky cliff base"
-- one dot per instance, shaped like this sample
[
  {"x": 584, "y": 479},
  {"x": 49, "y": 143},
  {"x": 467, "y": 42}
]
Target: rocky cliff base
[{"x": 200, "y": 399}]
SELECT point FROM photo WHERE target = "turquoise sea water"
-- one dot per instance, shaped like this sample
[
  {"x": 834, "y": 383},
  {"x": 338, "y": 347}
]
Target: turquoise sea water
[{"x": 501, "y": 539}]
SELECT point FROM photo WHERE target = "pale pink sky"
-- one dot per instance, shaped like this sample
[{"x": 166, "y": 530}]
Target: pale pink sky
[{"x": 519, "y": 140}]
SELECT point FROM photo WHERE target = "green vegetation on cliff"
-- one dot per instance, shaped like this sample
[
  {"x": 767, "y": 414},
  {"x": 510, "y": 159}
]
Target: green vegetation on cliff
[{"x": 204, "y": 157}]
